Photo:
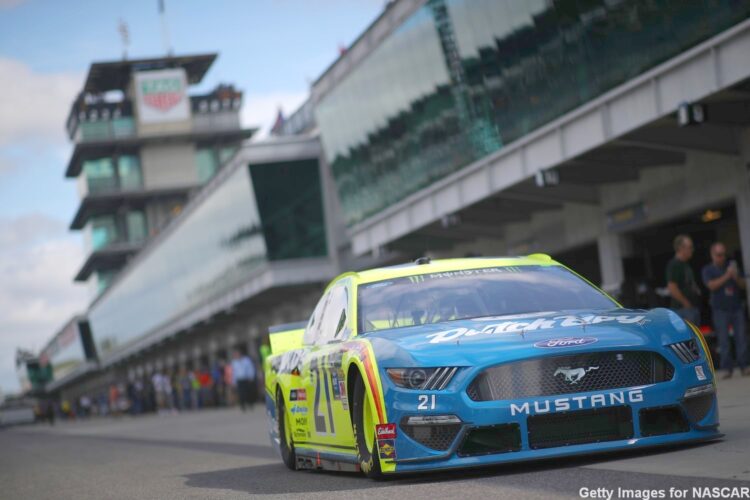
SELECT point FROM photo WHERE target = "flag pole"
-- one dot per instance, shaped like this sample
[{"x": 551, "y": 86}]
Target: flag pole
[{"x": 164, "y": 28}]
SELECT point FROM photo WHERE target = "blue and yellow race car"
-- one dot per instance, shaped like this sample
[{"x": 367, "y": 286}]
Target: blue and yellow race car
[{"x": 469, "y": 362}]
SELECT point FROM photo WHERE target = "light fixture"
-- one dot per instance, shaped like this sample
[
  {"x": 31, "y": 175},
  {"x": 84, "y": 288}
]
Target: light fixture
[{"x": 711, "y": 215}]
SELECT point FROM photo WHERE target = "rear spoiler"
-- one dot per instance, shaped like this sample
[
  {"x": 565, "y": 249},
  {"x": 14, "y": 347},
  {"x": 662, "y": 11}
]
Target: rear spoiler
[{"x": 286, "y": 337}]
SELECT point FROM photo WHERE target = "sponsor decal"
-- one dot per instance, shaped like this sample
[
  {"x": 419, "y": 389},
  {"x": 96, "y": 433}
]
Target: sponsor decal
[
  {"x": 300, "y": 433},
  {"x": 385, "y": 431},
  {"x": 298, "y": 409},
  {"x": 566, "y": 321},
  {"x": 700, "y": 373},
  {"x": 566, "y": 342},
  {"x": 541, "y": 406},
  {"x": 387, "y": 448},
  {"x": 573, "y": 375},
  {"x": 298, "y": 395},
  {"x": 162, "y": 93},
  {"x": 335, "y": 383}
]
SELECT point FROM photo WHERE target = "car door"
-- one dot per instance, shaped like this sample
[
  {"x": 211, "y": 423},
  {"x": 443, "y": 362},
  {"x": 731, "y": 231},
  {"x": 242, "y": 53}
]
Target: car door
[{"x": 329, "y": 423}]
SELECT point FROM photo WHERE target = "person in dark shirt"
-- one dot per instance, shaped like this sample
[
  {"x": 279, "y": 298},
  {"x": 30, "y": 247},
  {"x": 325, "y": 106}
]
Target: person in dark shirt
[
  {"x": 681, "y": 283},
  {"x": 724, "y": 281}
]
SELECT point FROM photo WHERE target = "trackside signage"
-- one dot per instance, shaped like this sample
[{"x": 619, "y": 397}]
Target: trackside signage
[{"x": 161, "y": 96}]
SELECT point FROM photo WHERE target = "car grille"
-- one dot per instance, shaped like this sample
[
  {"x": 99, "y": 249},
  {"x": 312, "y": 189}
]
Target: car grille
[
  {"x": 490, "y": 440},
  {"x": 662, "y": 421},
  {"x": 698, "y": 407},
  {"x": 580, "y": 427},
  {"x": 437, "y": 437},
  {"x": 570, "y": 374}
]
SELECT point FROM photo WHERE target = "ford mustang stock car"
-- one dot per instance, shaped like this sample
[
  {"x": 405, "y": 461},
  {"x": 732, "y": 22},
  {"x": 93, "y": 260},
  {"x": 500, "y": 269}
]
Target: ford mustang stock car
[{"x": 469, "y": 362}]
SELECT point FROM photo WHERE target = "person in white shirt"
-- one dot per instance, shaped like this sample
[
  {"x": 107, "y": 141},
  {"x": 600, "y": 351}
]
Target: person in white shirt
[{"x": 243, "y": 378}]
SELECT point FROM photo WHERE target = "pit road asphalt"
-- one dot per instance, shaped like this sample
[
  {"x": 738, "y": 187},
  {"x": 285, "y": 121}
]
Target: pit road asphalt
[{"x": 225, "y": 454}]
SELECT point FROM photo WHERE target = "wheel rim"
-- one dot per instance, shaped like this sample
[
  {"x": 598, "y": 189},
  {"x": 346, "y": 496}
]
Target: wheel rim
[{"x": 367, "y": 423}]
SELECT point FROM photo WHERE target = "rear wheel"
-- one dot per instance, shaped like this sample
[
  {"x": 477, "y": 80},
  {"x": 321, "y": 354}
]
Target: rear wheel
[
  {"x": 286, "y": 444},
  {"x": 363, "y": 426}
]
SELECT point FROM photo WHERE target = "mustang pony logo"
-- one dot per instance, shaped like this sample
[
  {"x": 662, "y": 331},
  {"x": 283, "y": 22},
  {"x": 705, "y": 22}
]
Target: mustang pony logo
[{"x": 573, "y": 375}]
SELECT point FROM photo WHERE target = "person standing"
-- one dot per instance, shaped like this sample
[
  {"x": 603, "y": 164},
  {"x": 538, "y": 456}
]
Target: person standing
[
  {"x": 681, "y": 283},
  {"x": 243, "y": 378},
  {"x": 724, "y": 280}
]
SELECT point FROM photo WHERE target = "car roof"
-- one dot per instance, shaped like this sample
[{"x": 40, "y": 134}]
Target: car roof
[{"x": 444, "y": 265}]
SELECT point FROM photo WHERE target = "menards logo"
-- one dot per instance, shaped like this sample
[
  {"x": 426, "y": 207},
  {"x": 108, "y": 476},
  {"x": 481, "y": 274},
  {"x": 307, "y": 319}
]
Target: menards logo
[{"x": 162, "y": 93}]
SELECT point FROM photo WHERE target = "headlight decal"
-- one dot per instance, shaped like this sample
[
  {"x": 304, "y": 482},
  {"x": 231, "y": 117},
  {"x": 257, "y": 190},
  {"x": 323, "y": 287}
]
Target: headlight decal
[{"x": 426, "y": 379}]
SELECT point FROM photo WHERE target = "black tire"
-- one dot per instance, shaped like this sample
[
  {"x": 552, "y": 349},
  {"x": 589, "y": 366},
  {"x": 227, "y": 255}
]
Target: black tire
[
  {"x": 287, "y": 449},
  {"x": 369, "y": 461}
]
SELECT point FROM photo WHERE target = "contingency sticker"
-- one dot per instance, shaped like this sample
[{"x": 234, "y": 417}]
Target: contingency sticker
[
  {"x": 700, "y": 373},
  {"x": 387, "y": 448},
  {"x": 298, "y": 395},
  {"x": 385, "y": 431}
]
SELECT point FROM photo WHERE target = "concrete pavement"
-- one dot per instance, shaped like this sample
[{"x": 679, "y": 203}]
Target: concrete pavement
[{"x": 225, "y": 454}]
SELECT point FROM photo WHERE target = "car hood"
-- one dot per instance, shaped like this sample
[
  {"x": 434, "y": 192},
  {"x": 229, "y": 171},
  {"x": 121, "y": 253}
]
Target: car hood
[{"x": 500, "y": 338}]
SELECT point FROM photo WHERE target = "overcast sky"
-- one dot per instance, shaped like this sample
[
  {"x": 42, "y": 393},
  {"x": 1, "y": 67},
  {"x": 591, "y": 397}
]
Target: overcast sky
[{"x": 271, "y": 49}]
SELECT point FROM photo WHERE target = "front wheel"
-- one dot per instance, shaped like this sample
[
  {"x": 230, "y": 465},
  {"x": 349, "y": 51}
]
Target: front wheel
[
  {"x": 286, "y": 445},
  {"x": 363, "y": 426}
]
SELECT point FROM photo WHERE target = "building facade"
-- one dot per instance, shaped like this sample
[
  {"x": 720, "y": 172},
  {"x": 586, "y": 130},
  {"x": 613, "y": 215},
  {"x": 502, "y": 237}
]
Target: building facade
[
  {"x": 594, "y": 131},
  {"x": 141, "y": 145}
]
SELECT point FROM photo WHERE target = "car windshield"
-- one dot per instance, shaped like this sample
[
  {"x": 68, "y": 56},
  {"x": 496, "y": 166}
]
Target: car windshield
[{"x": 473, "y": 293}]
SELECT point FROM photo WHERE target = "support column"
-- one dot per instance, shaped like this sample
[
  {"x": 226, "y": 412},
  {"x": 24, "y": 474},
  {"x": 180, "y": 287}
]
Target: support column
[
  {"x": 742, "y": 202},
  {"x": 609, "y": 246}
]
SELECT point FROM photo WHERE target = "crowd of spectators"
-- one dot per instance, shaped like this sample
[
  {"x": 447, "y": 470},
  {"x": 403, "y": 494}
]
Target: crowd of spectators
[{"x": 219, "y": 385}]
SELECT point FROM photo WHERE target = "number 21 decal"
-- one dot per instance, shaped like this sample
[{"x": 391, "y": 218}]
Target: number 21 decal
[{"x": 426, "y": 402}]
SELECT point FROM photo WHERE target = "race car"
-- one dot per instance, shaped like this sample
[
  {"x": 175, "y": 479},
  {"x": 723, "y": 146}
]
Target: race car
[{"x": 467, "y": 362}]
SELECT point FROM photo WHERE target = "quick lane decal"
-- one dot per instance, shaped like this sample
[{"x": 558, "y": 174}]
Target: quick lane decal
[
  {"x": 566, "y": 342},
  {"x": 530, "y": 326}
]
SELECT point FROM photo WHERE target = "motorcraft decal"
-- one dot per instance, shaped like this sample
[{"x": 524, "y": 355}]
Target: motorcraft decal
[{"x": 566, "y": 321}]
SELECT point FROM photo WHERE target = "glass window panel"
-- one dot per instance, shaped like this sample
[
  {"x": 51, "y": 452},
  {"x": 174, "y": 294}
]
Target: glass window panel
[
  {"x": 205, "y": 159},
  {"x": 123, "y": 127},
  {"x": 65, "y": 352},
  {"x": 100, "y": 175},
  {"x": 218, "y": 246},
  {"x": 291, "y": 208},
  {"x": 136, "y": 223},
  {"x": 225, "y": 153},
  {"x": 103, "y": 231},
  {"x": 104, "y": 279},
  {"x": 129, "y": 170},
  {"x": 461, "y": 78}
]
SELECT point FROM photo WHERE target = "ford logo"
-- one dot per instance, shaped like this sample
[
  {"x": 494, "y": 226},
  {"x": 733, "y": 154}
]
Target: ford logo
[{"x": 566, "y": 342}]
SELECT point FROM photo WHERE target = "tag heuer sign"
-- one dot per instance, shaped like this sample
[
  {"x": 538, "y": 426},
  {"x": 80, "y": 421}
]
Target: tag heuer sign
[
  {"x": 163, "y": 93},
  {"x": 161, "y": 96}
]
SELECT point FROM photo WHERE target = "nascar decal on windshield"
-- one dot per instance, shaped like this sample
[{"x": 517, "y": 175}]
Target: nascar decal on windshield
[{"x": 530, "y": 326}]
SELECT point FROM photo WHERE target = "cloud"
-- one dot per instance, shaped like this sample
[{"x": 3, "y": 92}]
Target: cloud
[
  {"x": 35, "y": 104},
  {"x": 261, "y": 110},
  {"x": 37, "y": 261}
]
